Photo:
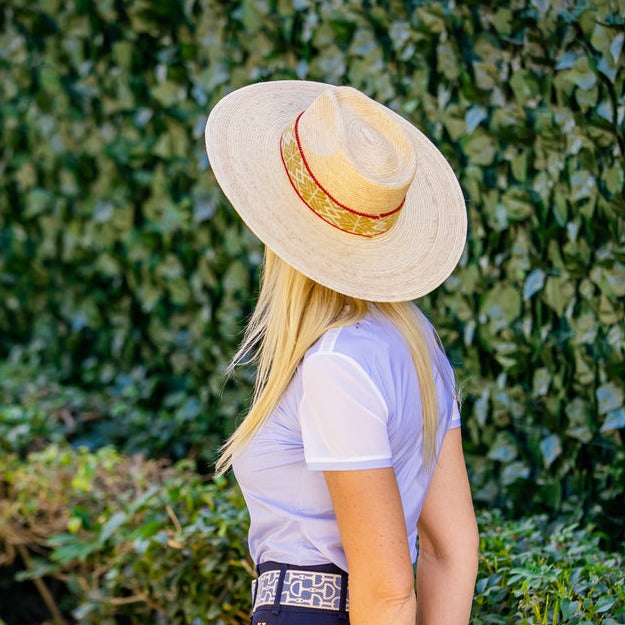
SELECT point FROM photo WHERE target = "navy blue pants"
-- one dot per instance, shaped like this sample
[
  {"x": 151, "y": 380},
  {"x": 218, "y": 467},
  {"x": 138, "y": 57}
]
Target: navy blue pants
[{"x": 292, "y": 615}]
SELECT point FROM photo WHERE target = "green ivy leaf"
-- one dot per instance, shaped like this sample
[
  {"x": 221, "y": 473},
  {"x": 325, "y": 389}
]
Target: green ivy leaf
[
  {"x": 524, "y": 86},
  {"x": 585, "y": 327},
  {"x": 559, "y": 293},
  {"x": 430, "y": 18},
  {"x": 533, "y": 283},
  {"x": 614, "y": 178},
  {"x": 582, "y": 75},
  {"x": 614, "y": 420},
  {"x": 550, "y": 448},
  {"x": 503, "y": 449},
  {"x": 582, "y": 185},
  {"x": 541, "y": 382},
  {"x": 480, "y": 147},
  {"x": 502, "y": 20},
  {"x": 518, "y": 204},
  {"x": 447, "y": 60},
  {"x": 513, "y": 472},
  {"x": 616, "y": 47},
  {"x": 613, "y": 280},
  {"x": 605, "y": 603},
  {"x": 568, "y": 608},
  {"x": 114, "y": 523},
  {"x": 236, "y": 277},
  {"x": 609, "y": 397},
  {"x": 502, "y": 305},
  {"x": 37, "y": 201},
  {"x": 474, "y": 116},
  {"x": 168, "y": 93},
  {"x": 584, "y": 368}
]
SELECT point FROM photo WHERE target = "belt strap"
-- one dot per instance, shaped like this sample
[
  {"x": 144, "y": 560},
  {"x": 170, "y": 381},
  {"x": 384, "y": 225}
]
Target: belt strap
[{"x": 309, "y": 589}]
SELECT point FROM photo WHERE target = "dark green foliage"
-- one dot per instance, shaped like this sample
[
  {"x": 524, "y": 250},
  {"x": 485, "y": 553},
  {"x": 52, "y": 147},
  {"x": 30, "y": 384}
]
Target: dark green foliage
[
  {"x": 537, "y": 572},
  {"x": 137, "y": 541},
  {"x": 35, "y": 410},
  {"x": 123, "y": 270}
]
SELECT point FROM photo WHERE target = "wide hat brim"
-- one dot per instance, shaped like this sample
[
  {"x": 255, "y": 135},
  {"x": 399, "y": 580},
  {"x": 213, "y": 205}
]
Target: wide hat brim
[{"x": 414, "y": 257}]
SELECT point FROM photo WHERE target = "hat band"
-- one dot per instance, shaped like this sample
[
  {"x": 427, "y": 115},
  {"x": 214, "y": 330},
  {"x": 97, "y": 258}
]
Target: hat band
[{"x": 319, "y": 200}]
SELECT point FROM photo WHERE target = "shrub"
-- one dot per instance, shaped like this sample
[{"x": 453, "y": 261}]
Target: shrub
[
  {"x": 144, "y": 541},
  {"x": 127, "y": 536},
  {"x": 534, "y": 571}
]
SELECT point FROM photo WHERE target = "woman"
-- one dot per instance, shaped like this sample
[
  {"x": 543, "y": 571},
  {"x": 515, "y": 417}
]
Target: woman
[{"x": 352, "y": 443}]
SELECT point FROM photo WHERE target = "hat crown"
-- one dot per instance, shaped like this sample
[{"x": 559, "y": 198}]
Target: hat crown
[{"x": 356, "y": 152}]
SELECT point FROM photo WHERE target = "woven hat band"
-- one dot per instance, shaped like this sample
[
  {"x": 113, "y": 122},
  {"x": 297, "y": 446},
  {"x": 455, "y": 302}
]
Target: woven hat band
[{"x": 319, "y": 200}]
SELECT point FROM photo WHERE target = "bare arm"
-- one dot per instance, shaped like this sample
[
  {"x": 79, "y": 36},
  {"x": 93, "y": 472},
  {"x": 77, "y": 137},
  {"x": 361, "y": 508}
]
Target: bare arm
[
  {"x": 371, "y": 522},
  {"x": 448, "y": 542}
]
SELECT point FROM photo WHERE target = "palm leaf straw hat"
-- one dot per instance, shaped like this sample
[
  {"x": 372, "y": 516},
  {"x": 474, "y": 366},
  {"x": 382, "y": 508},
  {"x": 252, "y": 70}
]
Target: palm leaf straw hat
[{"x": 339, "y": 186}]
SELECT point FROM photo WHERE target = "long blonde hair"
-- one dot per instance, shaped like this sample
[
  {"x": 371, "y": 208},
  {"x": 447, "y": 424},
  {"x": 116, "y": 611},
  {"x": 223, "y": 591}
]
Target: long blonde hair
[{"x": 292, "y": 312}]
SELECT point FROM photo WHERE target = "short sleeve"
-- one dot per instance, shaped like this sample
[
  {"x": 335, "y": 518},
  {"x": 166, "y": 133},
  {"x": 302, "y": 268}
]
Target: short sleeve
[
  {"x": 445, "y": 381},
  {"x": 454, "y": 421},
  {"x": 343, "y": 415}
]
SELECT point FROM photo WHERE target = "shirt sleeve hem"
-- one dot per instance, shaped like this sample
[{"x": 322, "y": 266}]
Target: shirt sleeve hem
[
  {"x": 349, "y": 465},
  {"x": 456, "y": 419}
]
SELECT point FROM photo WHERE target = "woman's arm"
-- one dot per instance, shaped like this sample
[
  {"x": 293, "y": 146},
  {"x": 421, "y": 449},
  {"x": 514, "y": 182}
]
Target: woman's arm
[
  {"x": 448, "y": 542},
  {"x": 371, "y": 522}
]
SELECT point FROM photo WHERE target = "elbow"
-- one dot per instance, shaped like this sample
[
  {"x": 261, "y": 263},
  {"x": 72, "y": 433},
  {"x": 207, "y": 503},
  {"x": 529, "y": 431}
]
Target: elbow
[
  {"x": 396, "y": 592},
  {"x": 388, "y": 601},
  {"x": 391, "y": 588},
  {"x": 470, "y": 555},
  {"x": 473, "y": 545},
  {"x": 461, "y": 550},
  {"x": 467, "y": 560},
  {"x": 470, "y": 545}
]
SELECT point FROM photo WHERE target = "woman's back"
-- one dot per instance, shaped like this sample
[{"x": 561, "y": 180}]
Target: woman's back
[{"x": 353, "y": 403}]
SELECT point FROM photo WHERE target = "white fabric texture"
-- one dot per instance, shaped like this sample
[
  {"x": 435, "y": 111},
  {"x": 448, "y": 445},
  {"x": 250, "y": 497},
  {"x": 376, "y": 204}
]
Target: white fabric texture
[
  {"x": 339, "y": 399},
  {"x": 353, "y": 403}
]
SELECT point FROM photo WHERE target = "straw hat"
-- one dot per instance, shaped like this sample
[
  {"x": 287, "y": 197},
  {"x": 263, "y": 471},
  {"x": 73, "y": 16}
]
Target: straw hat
[{"x": 339, "y": 186}]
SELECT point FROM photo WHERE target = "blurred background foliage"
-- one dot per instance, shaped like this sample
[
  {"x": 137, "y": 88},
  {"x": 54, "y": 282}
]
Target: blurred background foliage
[
  {"x": 125, "y": 277},
  {"x": 128, "y": 540}
]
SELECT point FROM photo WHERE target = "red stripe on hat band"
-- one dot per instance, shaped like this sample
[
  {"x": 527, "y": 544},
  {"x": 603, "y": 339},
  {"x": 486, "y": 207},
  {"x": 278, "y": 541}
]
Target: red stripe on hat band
[
  {"x": 317, "y": 199},
  {"x": 347, "y": 208}
]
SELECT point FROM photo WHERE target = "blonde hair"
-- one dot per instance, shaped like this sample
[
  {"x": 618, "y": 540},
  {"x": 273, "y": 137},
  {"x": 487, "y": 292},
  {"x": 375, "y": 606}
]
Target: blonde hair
[{"x": 292, "y": 312}]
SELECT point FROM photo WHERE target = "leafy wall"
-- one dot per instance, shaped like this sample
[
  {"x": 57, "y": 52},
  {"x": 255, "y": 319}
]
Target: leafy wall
[{"x": 122, "y": 268}]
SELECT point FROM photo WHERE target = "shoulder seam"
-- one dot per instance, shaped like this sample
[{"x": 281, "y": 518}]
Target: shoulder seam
[{"x": 329, "y": 340}]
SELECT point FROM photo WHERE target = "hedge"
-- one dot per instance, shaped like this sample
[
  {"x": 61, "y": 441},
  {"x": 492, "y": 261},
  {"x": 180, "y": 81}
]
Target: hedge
[
  {"x": 129, "y": 539},
  {"x": 122, "y": 539},
  {"x": 124, "y": 271}
]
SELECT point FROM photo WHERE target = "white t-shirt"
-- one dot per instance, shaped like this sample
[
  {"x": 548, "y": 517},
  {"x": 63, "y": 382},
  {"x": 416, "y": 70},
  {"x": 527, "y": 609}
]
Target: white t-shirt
[{"x": 353, "y": 403}]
